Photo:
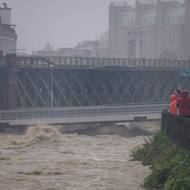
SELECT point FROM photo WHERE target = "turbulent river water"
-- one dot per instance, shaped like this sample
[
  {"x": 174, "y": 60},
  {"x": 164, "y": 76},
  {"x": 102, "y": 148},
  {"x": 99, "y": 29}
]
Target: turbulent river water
[{"x": 90, "y": 157}]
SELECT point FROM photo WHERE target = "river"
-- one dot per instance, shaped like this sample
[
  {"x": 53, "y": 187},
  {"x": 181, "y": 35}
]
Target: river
[{"x": 58, "y": 158}]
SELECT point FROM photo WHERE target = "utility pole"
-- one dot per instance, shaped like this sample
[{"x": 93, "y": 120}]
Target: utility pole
[{"x": 51, "y": 85}]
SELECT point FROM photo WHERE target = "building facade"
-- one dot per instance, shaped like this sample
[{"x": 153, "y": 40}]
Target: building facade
[
  {"x": 103, "y": 45},
  {"x": 8, "y": 36},
  {"x": 150, "y": 29}
]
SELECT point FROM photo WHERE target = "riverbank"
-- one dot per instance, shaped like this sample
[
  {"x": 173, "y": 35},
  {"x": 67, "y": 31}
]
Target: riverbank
[
  {"x": 66, "y": 158},
  {"x": 169, "y": 164}
]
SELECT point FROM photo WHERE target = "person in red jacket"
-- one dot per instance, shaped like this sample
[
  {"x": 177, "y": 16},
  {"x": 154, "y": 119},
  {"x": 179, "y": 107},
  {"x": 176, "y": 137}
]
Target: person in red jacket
[
  {"x": 183, "y": 104},
  {"x": 173, "y": 104}
]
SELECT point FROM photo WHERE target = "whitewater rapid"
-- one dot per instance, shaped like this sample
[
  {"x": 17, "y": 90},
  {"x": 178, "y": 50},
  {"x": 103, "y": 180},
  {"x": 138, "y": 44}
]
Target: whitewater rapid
[{"x": 45, "y": 159}]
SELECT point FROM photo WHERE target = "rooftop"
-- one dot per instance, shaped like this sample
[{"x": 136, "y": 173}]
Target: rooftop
[{"x": 4, "y": 6}]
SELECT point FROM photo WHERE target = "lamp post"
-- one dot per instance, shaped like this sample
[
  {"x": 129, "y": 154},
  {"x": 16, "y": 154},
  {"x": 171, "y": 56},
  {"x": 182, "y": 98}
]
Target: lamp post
[
  {"x": 179, "y": 81},
  {"x": 51, "y": 85}
]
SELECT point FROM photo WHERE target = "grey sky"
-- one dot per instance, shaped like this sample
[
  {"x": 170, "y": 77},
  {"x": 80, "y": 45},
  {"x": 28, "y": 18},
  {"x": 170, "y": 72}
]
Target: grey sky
[{"x": 63, "y": 23}]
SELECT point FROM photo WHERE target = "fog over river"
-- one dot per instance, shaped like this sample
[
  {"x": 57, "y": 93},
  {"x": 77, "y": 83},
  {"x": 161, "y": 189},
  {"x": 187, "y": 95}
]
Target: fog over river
[{"x": 74, "y": 157}]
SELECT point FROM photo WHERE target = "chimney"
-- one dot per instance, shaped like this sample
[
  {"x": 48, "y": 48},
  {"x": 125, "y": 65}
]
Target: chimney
[
  {"x": 5, "y": 14},
  {"x": 5, "y": 5}
]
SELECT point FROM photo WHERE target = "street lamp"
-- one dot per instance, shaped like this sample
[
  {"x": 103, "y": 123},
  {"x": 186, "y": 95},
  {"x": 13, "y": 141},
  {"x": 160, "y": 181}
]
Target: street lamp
[
  {"x": 179, "y": 81},
  {"x": 51, "y": 85}
]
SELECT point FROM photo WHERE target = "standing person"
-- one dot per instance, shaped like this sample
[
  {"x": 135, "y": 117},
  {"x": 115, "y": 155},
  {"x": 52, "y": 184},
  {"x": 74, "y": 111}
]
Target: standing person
[
  {"x": 183, "y": 103},
  {"x": 173, "y": 104}
]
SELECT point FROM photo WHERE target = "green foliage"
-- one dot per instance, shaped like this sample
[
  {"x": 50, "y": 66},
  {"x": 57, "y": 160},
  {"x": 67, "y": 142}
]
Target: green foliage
[
  {"x": 178, "y": 184},
  {"x": 169, "y": 163},
  {"x": 180, "y": 175},
  {"x": 158, "y": 176},
  {"x": 150, "y": 151}
]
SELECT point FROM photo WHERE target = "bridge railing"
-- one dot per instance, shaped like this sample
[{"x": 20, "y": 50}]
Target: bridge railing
[
  {"x": 100, "y": 62},
  {"x": 45, "y": 113},
  {"x": 177, "y": 128}
]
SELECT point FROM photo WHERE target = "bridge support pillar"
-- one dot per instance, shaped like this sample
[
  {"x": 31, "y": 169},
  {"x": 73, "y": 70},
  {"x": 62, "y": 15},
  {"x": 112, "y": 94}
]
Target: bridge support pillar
[{"x": 8, "y": 88}]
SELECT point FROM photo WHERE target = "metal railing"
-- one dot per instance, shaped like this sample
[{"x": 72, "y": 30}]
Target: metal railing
[
  {"x": 86, "y": 62},
  {"x": 45, "y": 113},
  {"x": 92, "y": 62}
]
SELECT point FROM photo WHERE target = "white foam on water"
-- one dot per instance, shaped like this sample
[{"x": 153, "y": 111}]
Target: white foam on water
[{"x": 43, "y": 158}]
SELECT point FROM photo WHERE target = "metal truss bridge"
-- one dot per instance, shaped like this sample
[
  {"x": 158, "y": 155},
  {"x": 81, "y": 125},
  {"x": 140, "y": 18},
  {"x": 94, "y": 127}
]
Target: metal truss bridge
[{"x": 33, "y": 82}]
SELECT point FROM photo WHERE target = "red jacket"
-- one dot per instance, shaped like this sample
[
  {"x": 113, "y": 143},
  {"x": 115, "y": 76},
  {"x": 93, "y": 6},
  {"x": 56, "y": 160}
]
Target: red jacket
[
  {"x": 183, "y": 103},
  {"x": 173, "y": 103}
]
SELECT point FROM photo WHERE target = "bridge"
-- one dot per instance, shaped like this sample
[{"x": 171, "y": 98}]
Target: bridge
[
  {"x": 88, "y": 114},
  {"x": 68, "y": 89},
  {"x": 34, "y": 82}
]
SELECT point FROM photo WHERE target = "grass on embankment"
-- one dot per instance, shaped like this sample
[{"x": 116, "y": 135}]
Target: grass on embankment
[{"x": 169, "y": 163}]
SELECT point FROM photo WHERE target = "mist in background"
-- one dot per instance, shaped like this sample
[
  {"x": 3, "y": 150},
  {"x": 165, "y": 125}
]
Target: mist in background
[{"x": 63, "y": 23}]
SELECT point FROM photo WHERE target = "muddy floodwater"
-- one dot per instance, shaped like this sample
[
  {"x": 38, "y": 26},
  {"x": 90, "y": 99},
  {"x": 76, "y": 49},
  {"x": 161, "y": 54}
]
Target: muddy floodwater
[{"x": 90, "y": 157}]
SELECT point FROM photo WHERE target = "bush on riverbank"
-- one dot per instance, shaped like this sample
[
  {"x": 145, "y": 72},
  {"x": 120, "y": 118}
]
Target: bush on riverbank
[{"x": 169, "y": 163}]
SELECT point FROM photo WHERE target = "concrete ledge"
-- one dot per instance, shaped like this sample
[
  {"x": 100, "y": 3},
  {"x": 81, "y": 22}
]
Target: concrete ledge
[
  {"x": 86, "y": 119},
  {"x": 15, "y": 129}
]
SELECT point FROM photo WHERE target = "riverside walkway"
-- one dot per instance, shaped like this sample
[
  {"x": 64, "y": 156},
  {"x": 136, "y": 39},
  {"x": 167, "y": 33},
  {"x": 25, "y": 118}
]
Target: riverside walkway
[{"x": 82, "y": 114}]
